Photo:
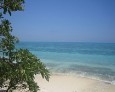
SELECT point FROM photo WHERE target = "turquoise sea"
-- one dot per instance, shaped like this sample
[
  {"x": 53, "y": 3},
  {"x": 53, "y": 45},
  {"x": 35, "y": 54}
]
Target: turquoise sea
[{"x": 92, "y": 60}]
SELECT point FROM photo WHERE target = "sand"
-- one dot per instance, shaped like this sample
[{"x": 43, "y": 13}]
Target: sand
[
  {"x": 64, "y": 83},
  {"x": 69, "y": 83}
]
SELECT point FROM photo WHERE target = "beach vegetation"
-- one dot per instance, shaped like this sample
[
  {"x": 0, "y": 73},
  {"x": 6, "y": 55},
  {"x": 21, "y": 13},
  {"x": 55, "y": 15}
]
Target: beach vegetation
[{"x": 18, "y": 66}]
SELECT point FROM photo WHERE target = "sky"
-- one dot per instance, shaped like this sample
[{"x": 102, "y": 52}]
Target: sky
[{"x": 65, "y": 21}]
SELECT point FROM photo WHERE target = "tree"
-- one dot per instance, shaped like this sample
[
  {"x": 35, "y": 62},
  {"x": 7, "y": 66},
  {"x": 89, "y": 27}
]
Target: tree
[{"x": 18, "y": 67}]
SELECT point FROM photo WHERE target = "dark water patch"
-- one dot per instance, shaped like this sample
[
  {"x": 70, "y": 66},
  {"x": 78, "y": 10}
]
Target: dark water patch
[{"x": 70, "y": 47}]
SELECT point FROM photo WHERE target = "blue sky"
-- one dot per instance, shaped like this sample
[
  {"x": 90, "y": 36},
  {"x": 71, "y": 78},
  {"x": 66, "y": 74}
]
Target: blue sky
[{"x": 65, "y": 21}]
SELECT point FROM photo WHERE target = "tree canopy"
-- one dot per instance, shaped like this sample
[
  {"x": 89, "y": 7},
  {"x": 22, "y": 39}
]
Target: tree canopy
[
  {"x": 11, "y": 5},
  {"x": 18, "y": 67}
]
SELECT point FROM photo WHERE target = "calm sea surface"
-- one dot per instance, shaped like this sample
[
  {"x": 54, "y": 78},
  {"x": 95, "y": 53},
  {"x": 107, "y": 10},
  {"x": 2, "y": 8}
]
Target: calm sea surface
[{"x": 94, "y": 60}]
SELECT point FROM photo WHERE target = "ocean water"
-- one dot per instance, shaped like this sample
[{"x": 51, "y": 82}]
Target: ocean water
[{"x": 93, "y": 60}]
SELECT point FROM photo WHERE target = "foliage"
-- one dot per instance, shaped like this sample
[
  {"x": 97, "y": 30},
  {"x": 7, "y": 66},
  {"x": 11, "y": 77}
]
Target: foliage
[
  {"x": 11, "y": 5},
  {"x": 18, "y": 67}
]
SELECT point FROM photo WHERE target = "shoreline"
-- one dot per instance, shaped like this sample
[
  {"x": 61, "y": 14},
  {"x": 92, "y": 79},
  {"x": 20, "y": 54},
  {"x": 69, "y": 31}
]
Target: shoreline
[
  {"x": 84, "y": 76},
  {"x": 71, "y": 83}
]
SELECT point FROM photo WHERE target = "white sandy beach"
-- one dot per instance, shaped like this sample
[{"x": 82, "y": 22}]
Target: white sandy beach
[{"x": 63, "y": 83}]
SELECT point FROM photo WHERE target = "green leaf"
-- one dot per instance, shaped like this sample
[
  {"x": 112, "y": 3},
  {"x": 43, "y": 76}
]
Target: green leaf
[
  {"x": 9, "y": 12},
  {"x": 5, "y": 10},
  {"x": 17, "y": 66}
]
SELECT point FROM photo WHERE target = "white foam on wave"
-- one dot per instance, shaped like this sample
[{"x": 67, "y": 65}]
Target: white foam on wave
[
  {"x": 97, "y": 78},
  {"x": 113, "y": 82},
  {"x": 85, "y": 74}
]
